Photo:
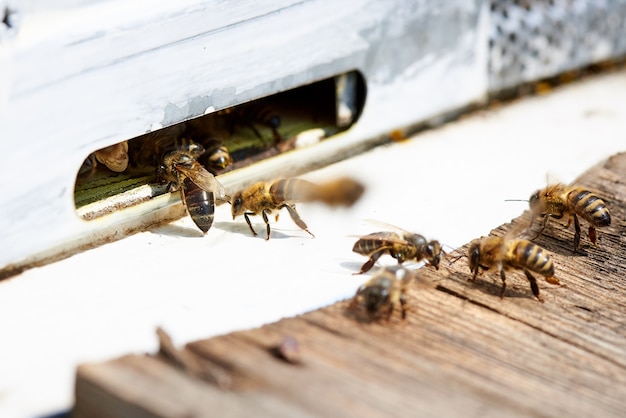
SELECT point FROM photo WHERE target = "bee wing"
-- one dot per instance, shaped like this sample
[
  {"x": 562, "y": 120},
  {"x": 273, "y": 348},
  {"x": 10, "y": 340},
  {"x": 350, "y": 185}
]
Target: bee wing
[
  {"x": 388, "y": 226},
  {"x": 389, "y": 237},
  {"x": 205, "y": 180}
]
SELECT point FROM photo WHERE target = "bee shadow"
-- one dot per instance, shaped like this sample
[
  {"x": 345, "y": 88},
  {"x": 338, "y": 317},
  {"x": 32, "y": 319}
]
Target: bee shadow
[
  {"x": 490, "y": 284},
  {"x": 359, "y": 314},
  {"x": 353, "y": 266},
  {"x": 561, "y": 246},
  {"x": 178, "y": 231},
  {"x": 242, "y": 228}
]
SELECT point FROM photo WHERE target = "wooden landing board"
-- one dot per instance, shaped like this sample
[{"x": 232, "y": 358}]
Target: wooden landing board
[{"x": 462, "y": 351}]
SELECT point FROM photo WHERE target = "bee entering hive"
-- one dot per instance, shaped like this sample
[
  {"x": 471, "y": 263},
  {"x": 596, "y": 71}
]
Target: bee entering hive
[{"x": 192, "y": 155}]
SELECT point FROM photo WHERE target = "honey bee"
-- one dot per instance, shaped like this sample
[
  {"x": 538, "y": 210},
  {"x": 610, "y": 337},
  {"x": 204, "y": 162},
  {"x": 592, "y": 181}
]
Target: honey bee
[
  {"x": 149, "y": 150},
  {"x": 263, "y": 198},
  {"x": 197, "y": 186},
  {"x": 88, "y": 168},
  {"x": 401, "y": 245},
  {"x": 383, "y": 292},
  {"x": 114, "y": 157},
  {"x": 254, "y": 114},
  {"x": 559, "y": 200},
  {"x": 503, "y": 253},
  {"x": 217, "y": 155}
]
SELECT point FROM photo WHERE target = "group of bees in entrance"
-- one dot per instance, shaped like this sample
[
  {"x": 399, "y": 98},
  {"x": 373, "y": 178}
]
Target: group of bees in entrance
[
  {"x": 386, "y": 289},
  {"x": 190, "y": 166},
  {"x": 208, "y": 133}
]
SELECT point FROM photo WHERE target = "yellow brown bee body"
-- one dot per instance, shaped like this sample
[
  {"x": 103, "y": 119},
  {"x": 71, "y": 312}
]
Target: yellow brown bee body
[
  {"x": 401, "y": 246},
  {"x": 114, "y": 157},
  {"x": 197, "y": 186},
  {"x": 263, "y": 198},
  {"x": 502, "y": 254},
  {"x": 383, "y": 292},
  {"x": 218, "y": 158},
  {"x": 558, "y": 200}
]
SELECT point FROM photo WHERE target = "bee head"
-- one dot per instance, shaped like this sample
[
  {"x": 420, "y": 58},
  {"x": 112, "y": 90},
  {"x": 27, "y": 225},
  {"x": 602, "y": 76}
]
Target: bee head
[
  {"x": 433, "y": 252},
  {"x": 533, "y": 202},
  {"x": 220, "y": 158},
  {"x": 473, "y": 254},
  {"x": 375, "y": 297},
  {"x": 237, "y": 207}
]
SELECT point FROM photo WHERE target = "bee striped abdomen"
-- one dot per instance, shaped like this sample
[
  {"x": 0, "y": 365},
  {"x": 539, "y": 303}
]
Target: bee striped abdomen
[
  {"x": 266, "y": 116},
  {"x": 590, "y": 207},
  {"x": 372, "y": 243},
  {"x": 294, "y": 190},
  {"x": 200, "y": 204},
  {"x": 533, "y": 257}
]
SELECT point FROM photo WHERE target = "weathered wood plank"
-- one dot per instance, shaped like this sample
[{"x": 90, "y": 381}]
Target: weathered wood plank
[{"x": 462, "y": 351}]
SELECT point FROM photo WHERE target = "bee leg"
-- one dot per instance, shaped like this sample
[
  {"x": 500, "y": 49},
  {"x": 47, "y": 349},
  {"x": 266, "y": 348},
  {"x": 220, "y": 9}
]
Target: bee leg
[
  {"x": 576, "y": 233},
  {"x": 277, "y": 136},
  {"x": 592, "y": 235},
  {"x": 546, "y": 218},
  {"x": 476, "y": 271},
  {"x": 533, "y": 285},
  {"x": 390, "y": 311},
  {"x": 296, "y": 218},
  {"x": 403, "y": 306},
  {"x": 255, "y": 130},
  {"x": 553, "y": 280},
  {"x": 503, "y": 288},
  {"x": 370, "y": 263},
  {"x": 267, "y": 224},
  {"x": 246, "y": 215}
]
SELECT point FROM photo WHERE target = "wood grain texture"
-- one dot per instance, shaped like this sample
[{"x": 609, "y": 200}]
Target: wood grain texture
[{"x": 462, "y": 351}]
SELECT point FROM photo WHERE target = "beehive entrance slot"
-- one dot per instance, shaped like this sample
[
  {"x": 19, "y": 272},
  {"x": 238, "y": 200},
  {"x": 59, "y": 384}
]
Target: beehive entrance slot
[{"x": 126, "y": 173}]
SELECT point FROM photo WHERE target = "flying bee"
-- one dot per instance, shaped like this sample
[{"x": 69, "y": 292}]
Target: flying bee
[
  {"x": 263, "y": 198},
  {"x": 401, "y": 245},
  {"x": 197, "y": 186},
  {"x": 384, "y": 291},
  {"x": 503, "y": 253},
  {"x": 559, "y": 200}
]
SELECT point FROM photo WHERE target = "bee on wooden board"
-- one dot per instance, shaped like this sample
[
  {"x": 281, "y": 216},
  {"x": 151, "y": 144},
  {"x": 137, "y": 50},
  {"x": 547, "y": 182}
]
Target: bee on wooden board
[
  {"x": 263, "y": 198},
  {"x": 558, "y": 200},
  {"x": 384, "y": 291},
  {"x": 198, "y": 187},
  {"x": 401, "y": 245},
  {"x": 503, "y": 254}
]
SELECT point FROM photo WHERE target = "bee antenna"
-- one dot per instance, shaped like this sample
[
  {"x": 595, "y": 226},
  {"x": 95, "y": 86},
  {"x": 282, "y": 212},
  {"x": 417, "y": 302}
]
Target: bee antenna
[
  {"x": 516, "y": 200},
  {"x": 455, "y": 259}
]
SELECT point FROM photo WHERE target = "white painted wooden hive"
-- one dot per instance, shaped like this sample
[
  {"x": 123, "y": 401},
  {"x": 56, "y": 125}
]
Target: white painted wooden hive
[{"x": 78, "y": 76}]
